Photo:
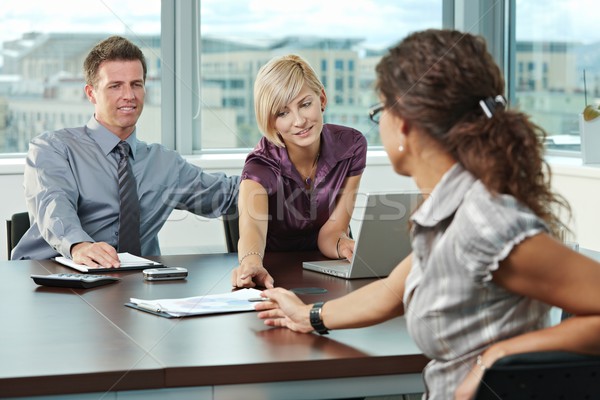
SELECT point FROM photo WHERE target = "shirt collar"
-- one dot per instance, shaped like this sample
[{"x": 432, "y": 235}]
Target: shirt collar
[
  {"x": 108, "y": 140},
  {"x": 445, "y": 198}
]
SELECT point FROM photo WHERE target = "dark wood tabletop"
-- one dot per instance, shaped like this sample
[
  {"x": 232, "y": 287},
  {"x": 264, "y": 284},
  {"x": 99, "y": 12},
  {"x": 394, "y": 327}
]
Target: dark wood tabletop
[{"x": 59, "y": 341}]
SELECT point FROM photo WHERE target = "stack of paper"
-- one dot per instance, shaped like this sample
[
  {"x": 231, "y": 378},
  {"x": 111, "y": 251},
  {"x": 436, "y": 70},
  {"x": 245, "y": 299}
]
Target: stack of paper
[
  {"x": 128, "y": 262},
  {"x": 239, "y": 300}
]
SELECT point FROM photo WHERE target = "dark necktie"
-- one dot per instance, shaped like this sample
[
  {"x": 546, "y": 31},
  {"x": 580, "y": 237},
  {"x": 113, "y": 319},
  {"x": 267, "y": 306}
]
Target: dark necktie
[{"x": 129, "y": 215}]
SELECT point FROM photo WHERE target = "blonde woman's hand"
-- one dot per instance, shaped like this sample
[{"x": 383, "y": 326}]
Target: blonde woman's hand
[
  {"x": 345, "y": 248},
  {"x": 251, "y": 273}
]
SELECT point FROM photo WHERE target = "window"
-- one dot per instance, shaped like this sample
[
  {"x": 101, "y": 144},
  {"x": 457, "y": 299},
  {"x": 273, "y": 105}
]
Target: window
[
  {"x": 551, "y": 86},
  {"x": 219, "y": 46},
  {"x": 340, "y": 43},
  {"x": 42, "y": 51},
  {"x": 202, "y": 62}
]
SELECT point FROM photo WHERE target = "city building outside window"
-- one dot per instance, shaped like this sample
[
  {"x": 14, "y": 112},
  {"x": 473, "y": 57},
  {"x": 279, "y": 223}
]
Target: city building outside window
[
  {"x": 42, "y": 48},
  {"x": 556, "y": 41}
]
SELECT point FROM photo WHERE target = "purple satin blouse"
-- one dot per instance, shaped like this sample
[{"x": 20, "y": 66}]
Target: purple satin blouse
[{"x": 296, "y": 214}]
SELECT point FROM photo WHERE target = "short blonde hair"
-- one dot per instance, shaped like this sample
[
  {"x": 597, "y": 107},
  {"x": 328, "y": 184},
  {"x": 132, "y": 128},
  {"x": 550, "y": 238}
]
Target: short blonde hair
[{"x": 278, "y": 82}]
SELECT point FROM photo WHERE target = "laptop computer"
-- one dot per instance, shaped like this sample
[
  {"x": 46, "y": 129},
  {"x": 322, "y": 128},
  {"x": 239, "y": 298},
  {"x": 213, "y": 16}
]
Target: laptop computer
[{"x": 383, "y": 239}]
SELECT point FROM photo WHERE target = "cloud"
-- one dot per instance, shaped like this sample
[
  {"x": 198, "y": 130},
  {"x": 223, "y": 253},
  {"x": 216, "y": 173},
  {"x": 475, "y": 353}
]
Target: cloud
[
  {"x": 378, "y": 22},
  {"x": 557, "y": 20},
  {"x": 118, "y": 16}
]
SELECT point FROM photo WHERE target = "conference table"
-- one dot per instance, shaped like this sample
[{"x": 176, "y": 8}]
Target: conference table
[{"x": 86, "y": 344}]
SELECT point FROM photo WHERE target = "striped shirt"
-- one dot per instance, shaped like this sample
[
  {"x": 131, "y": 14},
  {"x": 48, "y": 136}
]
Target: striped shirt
[{"x": 454, "y": 310}]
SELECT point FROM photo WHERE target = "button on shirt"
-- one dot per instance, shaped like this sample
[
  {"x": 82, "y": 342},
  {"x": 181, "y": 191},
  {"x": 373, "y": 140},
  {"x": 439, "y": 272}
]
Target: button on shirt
[
  {"x": 297, "y": 213},
  {"x": 454, "y": 310},
  {"x": 71, "y": 190}
]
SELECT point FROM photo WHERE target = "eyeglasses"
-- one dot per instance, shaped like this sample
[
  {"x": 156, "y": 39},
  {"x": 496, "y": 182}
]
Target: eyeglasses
[{"x": 375, "y": 112}]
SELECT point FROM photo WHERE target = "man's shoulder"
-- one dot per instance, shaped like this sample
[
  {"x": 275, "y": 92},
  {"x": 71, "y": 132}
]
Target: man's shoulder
[
  {"x": 161, "y": 155},
  {"x": 63, "y": 134},
  {"x": 156, "y": 149}
]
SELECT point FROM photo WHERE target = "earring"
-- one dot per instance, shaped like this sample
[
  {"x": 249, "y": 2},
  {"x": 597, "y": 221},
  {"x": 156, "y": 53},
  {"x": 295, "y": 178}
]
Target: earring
[
  {"x": 323, "y": 109},
  {"x": 401, "y": 148}
]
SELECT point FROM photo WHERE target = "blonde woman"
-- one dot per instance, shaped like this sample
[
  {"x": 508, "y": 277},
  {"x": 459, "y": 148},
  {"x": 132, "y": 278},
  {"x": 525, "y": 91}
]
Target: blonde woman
[{"x": 299, "y": 183}]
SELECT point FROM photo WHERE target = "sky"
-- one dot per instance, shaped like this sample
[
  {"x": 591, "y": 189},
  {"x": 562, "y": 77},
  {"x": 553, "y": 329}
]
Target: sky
[
  {"x": 114, "y": 16},
  {"x": 379, "y": 22},
  {"x": 558, "y": 20}
]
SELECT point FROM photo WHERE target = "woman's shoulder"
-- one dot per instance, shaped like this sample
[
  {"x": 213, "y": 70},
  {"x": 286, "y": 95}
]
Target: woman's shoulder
[
  {"x": 487, "y": 210},
  {"x": 345, "y": 141},
  {"x": 488, "y": 226},
  {"x": 265, "y": 153},
  {"x": 481, "y": 198},
  {"x": 342, "y": 132},
  {"x": 266, "y": 149},
  {"x": 264, "y": 162}
]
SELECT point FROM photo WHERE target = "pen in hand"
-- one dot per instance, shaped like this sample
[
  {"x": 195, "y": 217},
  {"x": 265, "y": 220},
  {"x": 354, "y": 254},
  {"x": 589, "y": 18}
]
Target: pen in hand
[{"x": 259, "y": 299}]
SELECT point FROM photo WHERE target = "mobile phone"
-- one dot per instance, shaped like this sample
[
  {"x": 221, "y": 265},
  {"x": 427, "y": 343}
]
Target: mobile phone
[{"x": 165, "y": 274}]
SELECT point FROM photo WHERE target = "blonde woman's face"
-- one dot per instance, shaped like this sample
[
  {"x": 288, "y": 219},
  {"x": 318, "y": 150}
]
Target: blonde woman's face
[{"x": 300, "y": 122}]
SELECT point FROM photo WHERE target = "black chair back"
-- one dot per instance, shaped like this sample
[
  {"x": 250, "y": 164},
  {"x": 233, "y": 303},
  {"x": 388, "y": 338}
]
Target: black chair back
[
  {"x": 16, "y": 227},
  {"x": 232, "y": 230},
  {"x": 542, "y": 375}
]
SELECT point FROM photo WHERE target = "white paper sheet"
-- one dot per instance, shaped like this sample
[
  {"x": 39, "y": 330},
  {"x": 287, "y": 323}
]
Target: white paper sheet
[
  {"x": 235, "y": 301},
  {"x": 128, "y": 262}
]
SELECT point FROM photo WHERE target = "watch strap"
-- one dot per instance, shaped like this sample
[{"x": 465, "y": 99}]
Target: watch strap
[{"x": 315, "y": 318}]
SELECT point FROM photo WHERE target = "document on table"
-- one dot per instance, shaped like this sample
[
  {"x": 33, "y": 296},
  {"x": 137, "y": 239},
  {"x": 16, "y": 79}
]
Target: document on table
[
  {"x": 128, "y": 262},
  {"x": 236, "y": 301}
]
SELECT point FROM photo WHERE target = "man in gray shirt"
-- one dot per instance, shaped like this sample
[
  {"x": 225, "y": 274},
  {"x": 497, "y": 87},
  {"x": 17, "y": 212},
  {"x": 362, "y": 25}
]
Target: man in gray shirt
[{"x": 71, "y": 184}]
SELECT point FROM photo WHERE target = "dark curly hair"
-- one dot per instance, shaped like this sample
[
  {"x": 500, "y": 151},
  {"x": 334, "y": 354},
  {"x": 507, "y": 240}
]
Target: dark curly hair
[
  {"x": 434, "y": 79},
  {"x": 111, "y": 49}
]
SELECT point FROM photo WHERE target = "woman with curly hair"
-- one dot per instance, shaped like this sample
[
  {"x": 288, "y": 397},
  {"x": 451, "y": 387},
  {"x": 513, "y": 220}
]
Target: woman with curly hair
[{"x": 486, "y": 266}]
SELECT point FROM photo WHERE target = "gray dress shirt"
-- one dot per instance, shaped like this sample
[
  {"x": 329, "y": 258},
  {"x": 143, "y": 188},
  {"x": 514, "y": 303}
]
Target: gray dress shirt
[
  {"x": 72, "y": 192},
  {"x": 454, "y": 310}
]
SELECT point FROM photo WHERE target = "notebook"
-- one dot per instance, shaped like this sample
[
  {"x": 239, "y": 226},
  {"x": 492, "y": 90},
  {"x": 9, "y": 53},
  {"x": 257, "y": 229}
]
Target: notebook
[
  {"x": 128, "y": 262},
  {"x": 383, "y": 239}
]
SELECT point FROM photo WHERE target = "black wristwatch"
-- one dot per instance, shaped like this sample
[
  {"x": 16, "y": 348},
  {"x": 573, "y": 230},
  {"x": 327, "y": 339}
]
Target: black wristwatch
[{"x": 315, "y": 319}]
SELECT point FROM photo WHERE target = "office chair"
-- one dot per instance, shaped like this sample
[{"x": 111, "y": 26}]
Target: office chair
[
  {"x": 232, "y": 230},
  {"x": 542, "y": 375},
  {"x": 16, "y": 227}
]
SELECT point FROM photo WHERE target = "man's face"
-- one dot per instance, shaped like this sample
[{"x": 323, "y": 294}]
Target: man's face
[{"x": 118, "y": 95}]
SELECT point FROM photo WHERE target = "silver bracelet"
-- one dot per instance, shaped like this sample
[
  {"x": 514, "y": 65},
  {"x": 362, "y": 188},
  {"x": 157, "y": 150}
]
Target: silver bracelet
[{"x": 251, "y": 253}]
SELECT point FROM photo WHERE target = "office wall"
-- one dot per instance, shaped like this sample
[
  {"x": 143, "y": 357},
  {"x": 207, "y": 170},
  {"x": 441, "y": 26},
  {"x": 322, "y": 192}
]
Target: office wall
[{"x": 187, "y": 233}]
